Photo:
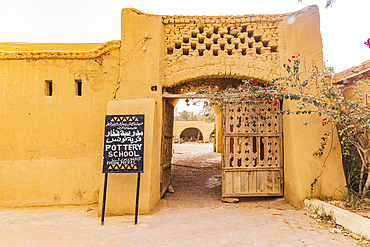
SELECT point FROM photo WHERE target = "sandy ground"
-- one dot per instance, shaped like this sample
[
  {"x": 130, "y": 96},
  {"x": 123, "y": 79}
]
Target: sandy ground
[
  {"x": 196, "y": 179},
  {"x": 192, "y": 216}
]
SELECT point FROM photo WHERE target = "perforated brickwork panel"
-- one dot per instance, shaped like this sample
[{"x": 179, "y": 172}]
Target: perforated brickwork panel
[
  {"x": 218, "y": 39},
  {"x": 194, "y": 42}
]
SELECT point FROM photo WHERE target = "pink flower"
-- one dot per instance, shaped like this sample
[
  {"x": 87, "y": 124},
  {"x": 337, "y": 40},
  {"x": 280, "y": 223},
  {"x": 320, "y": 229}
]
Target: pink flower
[
  {"x": 367, "y": 42},
  {"x": 289, "y": 60},
  {"x": 293, "y": 56}
]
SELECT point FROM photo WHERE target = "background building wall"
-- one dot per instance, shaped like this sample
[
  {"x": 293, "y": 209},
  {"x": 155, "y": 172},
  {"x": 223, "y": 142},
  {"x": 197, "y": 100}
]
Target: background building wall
[{"x": 205, "y": 128}]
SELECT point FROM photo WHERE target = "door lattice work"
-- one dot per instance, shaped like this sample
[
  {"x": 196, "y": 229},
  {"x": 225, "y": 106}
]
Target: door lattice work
[
  {"x": 166, "y": 156},
  {"x": 252, "y": 155}
]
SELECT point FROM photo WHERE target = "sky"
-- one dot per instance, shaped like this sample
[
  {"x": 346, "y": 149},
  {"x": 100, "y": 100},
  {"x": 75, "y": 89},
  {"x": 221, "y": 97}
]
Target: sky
[{"x": 343, "y": 26}]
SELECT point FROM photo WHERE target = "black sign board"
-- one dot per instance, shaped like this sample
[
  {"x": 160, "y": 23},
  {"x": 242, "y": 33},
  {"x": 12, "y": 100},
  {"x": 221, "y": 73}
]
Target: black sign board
[
  {"x": 123, "y": 144},
  {"x": 123, "y": 150}
]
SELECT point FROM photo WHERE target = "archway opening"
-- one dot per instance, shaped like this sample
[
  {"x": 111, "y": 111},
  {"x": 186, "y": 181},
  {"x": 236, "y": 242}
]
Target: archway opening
[
  {"x": 195, "y": 166},
  {"x": 252, "y": 151},
  {"x": 191, "y": 135}
]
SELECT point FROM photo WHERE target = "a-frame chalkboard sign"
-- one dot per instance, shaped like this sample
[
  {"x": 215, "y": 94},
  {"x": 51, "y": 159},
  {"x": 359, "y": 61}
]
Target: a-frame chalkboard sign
[{"x": 123, "y": 150}]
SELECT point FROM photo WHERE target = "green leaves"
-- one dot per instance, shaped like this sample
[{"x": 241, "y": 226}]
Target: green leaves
[
  {"x": 304, "y": 83},
  {"x": 287, "y": 68}
]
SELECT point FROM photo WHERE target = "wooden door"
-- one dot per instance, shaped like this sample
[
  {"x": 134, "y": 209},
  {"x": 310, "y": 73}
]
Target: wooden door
[
  {"x": 166, "y": 156},
  {"x": 252, "y": 152}
]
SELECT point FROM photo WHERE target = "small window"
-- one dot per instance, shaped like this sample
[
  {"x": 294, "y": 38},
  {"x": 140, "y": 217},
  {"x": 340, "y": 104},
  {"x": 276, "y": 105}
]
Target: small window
[
  {"x": 78, "y": 87},
  {"x": 48, "y": 88}
]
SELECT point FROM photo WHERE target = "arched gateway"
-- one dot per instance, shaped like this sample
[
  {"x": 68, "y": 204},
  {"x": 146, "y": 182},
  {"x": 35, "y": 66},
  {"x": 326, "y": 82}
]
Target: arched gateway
[
  {"x": 142, "y": 74},
  {"x": 219, "y": 49}
]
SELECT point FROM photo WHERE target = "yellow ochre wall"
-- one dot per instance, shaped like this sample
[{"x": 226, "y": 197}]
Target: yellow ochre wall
[
  {"x": 121, "y": 188},
  {"x": 300, "y": 142},
  {"x": 141, "y": 70},
  {"x": 51, "y": 147}
]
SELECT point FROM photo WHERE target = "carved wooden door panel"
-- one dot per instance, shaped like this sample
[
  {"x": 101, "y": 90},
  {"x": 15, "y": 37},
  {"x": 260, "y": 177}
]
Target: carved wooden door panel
[
  {"x": 252, "y": 151},
  {"x": 166, "y": 156}
]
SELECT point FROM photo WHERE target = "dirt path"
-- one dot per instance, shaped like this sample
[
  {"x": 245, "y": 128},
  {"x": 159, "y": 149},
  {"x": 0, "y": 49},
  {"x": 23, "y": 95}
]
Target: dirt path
[{"x": 196, "y": 179}]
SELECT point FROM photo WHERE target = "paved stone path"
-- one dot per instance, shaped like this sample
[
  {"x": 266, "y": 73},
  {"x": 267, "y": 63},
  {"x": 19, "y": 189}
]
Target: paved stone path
[{"x": 80, "y": 226}]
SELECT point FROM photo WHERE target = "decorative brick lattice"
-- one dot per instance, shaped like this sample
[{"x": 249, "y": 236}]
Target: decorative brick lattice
[{"x": 251, "y": 41}]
